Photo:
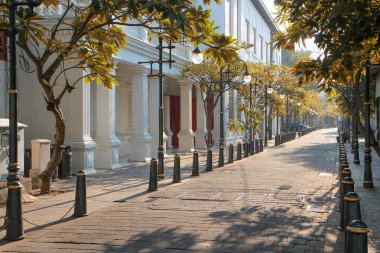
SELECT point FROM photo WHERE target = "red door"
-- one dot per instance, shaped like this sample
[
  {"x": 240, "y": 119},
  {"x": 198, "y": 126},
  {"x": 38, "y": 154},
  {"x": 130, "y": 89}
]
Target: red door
[
  {"x": 175, "y": 118},
  {"x": 194, "y": 116}
]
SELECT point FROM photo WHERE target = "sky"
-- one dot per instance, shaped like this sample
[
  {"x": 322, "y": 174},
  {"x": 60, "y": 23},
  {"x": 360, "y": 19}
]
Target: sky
[{"x": 309, "y": 43}]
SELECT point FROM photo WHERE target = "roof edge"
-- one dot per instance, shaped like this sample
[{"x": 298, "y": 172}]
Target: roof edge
[{"x": 262, "y": 9}]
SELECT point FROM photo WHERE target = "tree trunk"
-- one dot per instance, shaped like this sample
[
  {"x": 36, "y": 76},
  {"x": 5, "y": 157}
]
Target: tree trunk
[{"x": 59, "y": 138}]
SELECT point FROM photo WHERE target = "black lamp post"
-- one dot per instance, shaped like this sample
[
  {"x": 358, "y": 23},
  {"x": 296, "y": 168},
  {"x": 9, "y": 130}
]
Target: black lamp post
[
  {"x": 14, "y": 220},
  {"x": 197, "y": 58},
  {"x": 355, "y": 115},
  {"x": 247, "y": 79},
  {"x": 367, "y": 182},
  {"x": 268, "y": 90},
  {"x": 160, "y": 62},
  {"x": 250, "y": 145}
]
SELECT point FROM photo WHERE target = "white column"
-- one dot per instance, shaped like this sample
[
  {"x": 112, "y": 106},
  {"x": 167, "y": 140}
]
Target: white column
[
  {"x": 124, "y": 124},
  {"x": 200, "y": 142},
  {"x": 108, "y": 145},
  {"x": 140, "y": 139},
  {"x": 167, "y": 129},
  {"x": 154, "y": 116},
  {"x": 186, "y": 135},
  {"x": 78, "y": 134}
]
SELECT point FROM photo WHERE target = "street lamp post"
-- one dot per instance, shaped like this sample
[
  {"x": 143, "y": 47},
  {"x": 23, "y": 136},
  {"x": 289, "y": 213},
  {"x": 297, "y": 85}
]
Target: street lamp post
[
  {"x": 197, "y": 58},
  {"x": 14, "y": 220},
  {"x": 250, "y": 145},
  {"x": 355, "y": 113},
  {"x": 221, "y": 120},
  {"x": 160, "y": 62},
  {"x": 268, "y": 90},
  {"x": 367, "y": 182},
  {"x": 247, "y": 79}
]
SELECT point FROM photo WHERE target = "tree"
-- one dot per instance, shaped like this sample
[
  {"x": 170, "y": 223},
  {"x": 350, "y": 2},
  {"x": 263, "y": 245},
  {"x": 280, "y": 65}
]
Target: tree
[
  {"x": 206, "y": 77},
  {"x": 337, "y": 27},
  {"x": 346, "y": 31},
  {"x": 289, "y": 58},
  {"x": 96, "y": 35},
  {"x": 282, "y": 80}
]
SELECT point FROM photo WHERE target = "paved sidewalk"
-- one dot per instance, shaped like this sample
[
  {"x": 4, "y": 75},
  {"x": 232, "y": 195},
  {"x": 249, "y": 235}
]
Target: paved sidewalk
[
  {"x": 369, "y": 204},
  {"x": 275, "y": 201}
]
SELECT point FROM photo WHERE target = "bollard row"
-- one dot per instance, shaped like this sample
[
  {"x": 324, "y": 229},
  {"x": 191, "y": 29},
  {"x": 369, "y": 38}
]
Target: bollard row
[{"x": 356, "y": 231}]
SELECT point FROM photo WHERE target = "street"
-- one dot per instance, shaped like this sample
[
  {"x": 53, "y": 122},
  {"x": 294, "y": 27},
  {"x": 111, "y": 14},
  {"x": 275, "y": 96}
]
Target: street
[{"x": 275, "y": 201}]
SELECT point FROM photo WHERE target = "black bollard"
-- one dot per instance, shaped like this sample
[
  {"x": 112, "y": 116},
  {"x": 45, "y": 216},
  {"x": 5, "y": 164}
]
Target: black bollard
[
  {"x": 195, "y": 170},
  {"x": 347, "y": 186},
  {"x": 343, "y": 174},
  {"x": 257, "y": 146},
  {"x": 252, "y": 148},
  {"x": 261, "y": 145},
  {"x": 231, "y": 153},
  {"x": 153, "y": 175},
  {"x": 352, "y": 211},
  {"x": 67, "y": 163},
  {"x": 80, "y": 208},
  {"x": 343, "y": 165},
  {"x": 209, "y": 160},
  {"x": 15, "y": 230},
  {"x": 357, "y": 238},
  {"x": 245, "y": 147},
  {"x": 177, "y": 169},
  {"x": 221, "y": 156},
  {"x": 27, "y": 161},
  {"x": 238, "y": 155}
]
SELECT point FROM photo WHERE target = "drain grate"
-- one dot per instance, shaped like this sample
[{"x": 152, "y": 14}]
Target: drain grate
[{"x": 316, "y": 208}]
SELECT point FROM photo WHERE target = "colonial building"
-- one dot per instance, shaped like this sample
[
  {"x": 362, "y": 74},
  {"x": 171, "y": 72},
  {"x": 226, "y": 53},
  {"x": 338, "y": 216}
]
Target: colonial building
[
  {"x": 109, "y": 129},
  {"x": 250, "y": 21}
]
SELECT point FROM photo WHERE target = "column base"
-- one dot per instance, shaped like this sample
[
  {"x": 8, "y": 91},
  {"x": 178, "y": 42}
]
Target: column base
[
  {"x": 124, "y": 147},
  {"x": 140, "y": 146},
  {"x": 186, "y": 141},
  {"x": 154, "y": 145},
  {"x": 83, "y": 154},
  {"x": 169, "y": 140},
  {"x": 107, "y": 153},
  {"x": 200, "y": 142}
]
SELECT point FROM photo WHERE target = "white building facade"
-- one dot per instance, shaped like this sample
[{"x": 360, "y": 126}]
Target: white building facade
[
  {"x": 110, "y": 129},
  {"x": 249, "y": 21}
]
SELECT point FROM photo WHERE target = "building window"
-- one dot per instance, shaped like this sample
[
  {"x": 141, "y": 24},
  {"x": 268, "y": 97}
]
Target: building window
[
  {"x": 268, "y": 53},
  {"x": 247, "y": 31},
  {"x": 261, "y": 48},
  {"x": 254, "y": 41}
]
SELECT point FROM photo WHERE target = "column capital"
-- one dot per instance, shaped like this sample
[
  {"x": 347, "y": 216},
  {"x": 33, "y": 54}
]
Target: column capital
[
  {"x": 139, "y": 71},
  {"x": 184, "y": 82},
  {"x": 153, "y": 78}
]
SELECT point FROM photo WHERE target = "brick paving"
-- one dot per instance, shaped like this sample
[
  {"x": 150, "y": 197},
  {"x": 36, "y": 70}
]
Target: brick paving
[{"x": 275, "y": 201}]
